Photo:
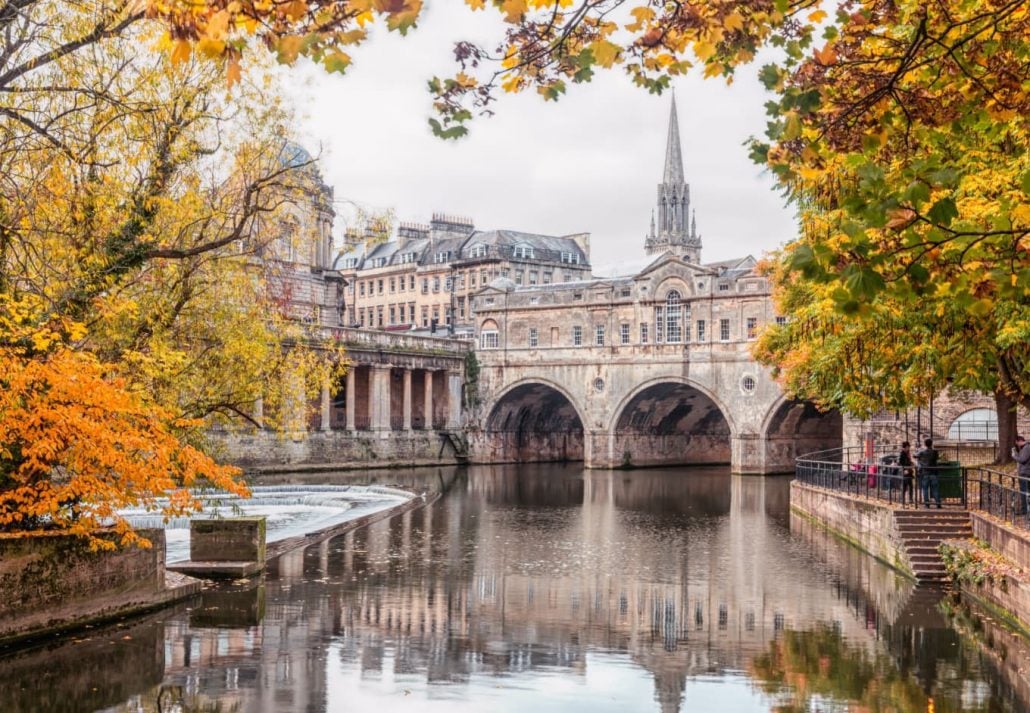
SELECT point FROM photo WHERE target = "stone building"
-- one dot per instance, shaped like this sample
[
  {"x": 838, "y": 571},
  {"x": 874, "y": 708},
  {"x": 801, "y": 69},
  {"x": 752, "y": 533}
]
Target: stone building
[
  {"x": 294, "y": 246},
  {"x": 425, "y": 277}
]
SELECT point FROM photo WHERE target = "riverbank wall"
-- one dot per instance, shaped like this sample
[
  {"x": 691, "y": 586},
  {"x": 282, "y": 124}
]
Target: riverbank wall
[
  {"x": 867, "y": 525},
  {"x": 1006, "y": 596},
  {"x": 271, "y": 452},
  {"x": 53, "y": 583}
]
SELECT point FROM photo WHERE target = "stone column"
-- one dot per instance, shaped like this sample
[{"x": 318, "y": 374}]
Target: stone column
[
  {"x": 406, "y": 408},
  {"x": 454, "y": 382},
  {"x": 427, "y": 403},
  {"x": 351, "y": 394},
  {"x": 327, "y": 398},
  {"x": 379, "y": 398}
]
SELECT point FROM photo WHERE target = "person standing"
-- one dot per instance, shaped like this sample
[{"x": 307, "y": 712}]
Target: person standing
[
  {"x": 929, "y": 483},
  {"x": 1021, "y": 454},
  {"x": 908, "y": 473}
]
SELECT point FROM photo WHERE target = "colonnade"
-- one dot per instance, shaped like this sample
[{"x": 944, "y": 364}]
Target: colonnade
[{"x": 386, "y": 397}]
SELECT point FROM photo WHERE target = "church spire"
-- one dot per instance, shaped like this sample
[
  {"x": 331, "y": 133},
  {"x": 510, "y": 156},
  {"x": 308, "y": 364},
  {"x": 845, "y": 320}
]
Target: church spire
[
  {"x": 673, "y": 153},
  {"x": 675, "y": 232}
]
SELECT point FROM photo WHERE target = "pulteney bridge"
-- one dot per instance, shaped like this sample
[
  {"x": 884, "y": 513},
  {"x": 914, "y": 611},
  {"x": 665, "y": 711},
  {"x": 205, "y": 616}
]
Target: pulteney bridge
[{"x": 647, "y": 370}]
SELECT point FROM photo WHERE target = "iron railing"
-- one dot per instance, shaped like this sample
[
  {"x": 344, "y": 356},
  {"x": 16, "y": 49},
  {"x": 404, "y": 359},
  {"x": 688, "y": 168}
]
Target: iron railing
[
  {"x": 963, "y": 482},
  {"x": 879, "y": 478},
  {"x": 1003, "y": 495}
]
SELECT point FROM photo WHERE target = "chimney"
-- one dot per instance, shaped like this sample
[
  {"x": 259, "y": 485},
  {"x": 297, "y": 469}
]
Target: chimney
[
  {"x": 406, "y": 232},
  {"x": 583, "y": 241},
  {"x": 444, "y": 226}
]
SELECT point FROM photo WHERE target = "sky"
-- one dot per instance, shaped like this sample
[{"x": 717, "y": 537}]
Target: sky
[{"x": 590, "y": 162}]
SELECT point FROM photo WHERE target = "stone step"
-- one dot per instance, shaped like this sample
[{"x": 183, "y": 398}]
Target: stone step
[
  {"x": 937, "y": 535},
  {"x": 930, "y": 512}
]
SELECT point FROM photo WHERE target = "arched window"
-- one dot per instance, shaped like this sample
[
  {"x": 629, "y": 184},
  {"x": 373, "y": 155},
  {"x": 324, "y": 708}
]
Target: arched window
[
  {"x": 673, "y": 318},
  {"x": 979, "y": 424}
]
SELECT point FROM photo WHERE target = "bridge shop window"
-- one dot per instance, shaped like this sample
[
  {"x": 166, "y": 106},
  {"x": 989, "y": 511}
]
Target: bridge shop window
[
  {"x": 599, "y": 335},
  {"x": 624, "y": 333},
  {"x": 577, "y": 336},
  {"x": 643, "y": 332},
  {"x": 534, "y": 338},
  {"x": 673, "y": 318},
  {"x": 724, "y": 287},
  {"x": 701, "y": 330},
  {"x": 489, "y": 339},
  {"x": 752, "y": 328},
  {"x": 724, "y": 330}
]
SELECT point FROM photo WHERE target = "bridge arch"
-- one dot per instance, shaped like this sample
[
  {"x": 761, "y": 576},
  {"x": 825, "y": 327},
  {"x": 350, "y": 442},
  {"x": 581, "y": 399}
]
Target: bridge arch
[
  {"x": 534, "y": 419},
  {"x": 793, "y": 427},
  {"x": 671, "y": 421}
]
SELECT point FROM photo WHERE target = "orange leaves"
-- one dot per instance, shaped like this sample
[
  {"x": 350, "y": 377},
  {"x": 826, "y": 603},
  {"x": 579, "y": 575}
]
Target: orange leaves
[
  {"x": 827, "y": 56},
  {"x": 78, "y": 446}
]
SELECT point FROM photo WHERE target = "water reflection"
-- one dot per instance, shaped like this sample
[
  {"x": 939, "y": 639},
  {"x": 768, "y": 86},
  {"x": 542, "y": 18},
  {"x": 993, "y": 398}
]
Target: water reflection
[{"x": 553, "y": 589}]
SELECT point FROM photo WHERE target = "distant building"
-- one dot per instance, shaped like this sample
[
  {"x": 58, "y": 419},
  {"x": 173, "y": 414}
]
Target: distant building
[
  {"x": 424, "y": 279},
  {"x": 294, "y": 245}
]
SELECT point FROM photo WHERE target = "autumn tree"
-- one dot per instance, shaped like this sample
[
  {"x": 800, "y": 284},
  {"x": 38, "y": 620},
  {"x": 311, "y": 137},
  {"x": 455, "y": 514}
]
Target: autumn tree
[{"x": 138, "y": 307}]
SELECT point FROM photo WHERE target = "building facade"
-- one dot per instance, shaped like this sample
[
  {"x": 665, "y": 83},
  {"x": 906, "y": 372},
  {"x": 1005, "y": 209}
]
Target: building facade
[{"x": 425, "y": 277}]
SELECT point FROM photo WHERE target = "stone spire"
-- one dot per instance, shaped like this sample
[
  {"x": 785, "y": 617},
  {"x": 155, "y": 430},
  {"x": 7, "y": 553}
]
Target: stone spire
[
  {"x": 674, "y": 233},
  {"x": 673, "y": 153}
]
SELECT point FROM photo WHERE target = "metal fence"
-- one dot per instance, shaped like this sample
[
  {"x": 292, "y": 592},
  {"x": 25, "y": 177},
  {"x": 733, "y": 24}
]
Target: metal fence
[
  {"x": 877, "y": 476},
  {"x": 1002, "y": 495},
  {"x": 882, "y": 479}
]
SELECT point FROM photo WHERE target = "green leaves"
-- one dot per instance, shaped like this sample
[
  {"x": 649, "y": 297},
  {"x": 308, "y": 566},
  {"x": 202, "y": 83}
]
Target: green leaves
[{"x": 943, "y": 212}]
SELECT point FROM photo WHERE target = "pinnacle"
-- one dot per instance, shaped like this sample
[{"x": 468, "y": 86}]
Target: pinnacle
[{"x": 673, "y": 153}]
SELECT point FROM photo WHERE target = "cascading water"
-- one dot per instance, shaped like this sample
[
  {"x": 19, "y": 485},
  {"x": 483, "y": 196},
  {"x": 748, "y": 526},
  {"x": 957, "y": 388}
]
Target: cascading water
[{"x": 289, "y": 510}]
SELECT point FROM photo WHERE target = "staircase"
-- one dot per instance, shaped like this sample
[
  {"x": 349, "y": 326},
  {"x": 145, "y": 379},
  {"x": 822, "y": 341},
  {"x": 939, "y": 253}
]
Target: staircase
[
  {"x": 459, "y": 443},
  {"x": 923, "y": 530}
]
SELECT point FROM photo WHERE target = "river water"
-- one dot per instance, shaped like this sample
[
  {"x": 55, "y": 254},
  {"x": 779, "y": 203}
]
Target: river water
[{"x": 549, "y": 588}]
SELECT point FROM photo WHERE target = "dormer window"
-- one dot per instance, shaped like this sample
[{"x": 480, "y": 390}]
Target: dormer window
[
  {"x": 379, "y": 262},
  {"x": 477, "y": 251},
  {"x": 570, "y": 258},
  {"x": 442, "y": 256},
  {"x": 523, "y": 251},
  {"x": 406, "y": 257}
]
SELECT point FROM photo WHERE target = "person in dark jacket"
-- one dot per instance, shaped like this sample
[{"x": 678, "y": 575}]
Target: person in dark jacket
[
  {"x": 927, "y": 459},
  {"x": 908, "y": 473},
  {"x": 1021, "y": 454}
]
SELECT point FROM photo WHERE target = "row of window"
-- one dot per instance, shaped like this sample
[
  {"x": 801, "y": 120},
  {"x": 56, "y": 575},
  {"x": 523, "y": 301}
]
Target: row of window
[
  {"x": 473, "y": 279},
  {"x": 489, "y": 339},
  {"x": 402, "y": 314}
]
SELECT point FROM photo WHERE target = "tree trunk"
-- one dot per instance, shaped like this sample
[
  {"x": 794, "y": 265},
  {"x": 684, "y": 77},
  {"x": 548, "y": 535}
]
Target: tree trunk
[{"x": 1006, "y": 409}]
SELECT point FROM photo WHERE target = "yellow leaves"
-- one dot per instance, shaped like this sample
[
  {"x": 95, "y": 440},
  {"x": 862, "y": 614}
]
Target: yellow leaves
[
  {"x": 1021, "y": 215},
  {"x": 827, "y": 56},
  {"x": 289, "y": 48},
  {"x": 817, "y": 16},
  {"x": 211, "y": 48},
  {"x": 642, "y": 15},
  {"x": 605, "y": 53},
  {"x": 511, "y": 58},
  {"x": 733, "y": 21},
  {"x": 704, "y": 49},
  {"x": 513, "y": 9},
  {"x": 476, "y": 4},
  {"x": 336, "y": 62}
]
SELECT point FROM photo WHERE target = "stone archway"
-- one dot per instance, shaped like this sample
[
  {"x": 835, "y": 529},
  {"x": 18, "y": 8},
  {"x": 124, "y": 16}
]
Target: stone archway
[
  {"x": 671, "y": 423},
  {"x": 794, "y": 428},
  {"x": 533, "y": 421}
]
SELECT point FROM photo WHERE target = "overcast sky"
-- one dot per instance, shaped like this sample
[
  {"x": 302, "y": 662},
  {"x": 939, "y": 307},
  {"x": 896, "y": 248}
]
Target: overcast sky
[{"x": 588, "y": 163}]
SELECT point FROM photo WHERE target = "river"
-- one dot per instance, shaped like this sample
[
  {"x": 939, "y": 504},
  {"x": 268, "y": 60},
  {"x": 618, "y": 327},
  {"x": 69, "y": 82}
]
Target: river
[{"x": 548, "y": 588}]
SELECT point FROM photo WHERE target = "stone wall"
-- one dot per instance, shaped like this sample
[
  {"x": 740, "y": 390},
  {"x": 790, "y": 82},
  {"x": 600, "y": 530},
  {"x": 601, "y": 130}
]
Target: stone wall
[
  {"x": 1013, "y": 596},
  {"x": 55, "y": 580},
  {"x": 867, "y": 525},
  {"x": 526, "y": 446},
  {"x": 335, "y": 450}
]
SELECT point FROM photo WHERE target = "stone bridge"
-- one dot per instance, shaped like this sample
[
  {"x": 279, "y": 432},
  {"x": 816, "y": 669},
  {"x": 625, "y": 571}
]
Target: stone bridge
[{"x": 643, "y": 405}]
